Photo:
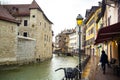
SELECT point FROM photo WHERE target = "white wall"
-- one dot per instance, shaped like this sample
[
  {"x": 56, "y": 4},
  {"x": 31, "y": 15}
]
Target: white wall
[
  {"x": 26, "y": 49},
  {"x": 113, "y": 13}
]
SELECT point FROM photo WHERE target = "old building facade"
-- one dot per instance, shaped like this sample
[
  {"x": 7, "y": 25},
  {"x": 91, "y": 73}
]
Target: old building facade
[
  {"x": 72, "y": 45},
  {"x": 91, "y": 26},
  {"x": 108, "y": 35},
  {"x": 8, "y": 43},
  {"x": 34, "y": 26},
  {"x": 62, "y": 41}
]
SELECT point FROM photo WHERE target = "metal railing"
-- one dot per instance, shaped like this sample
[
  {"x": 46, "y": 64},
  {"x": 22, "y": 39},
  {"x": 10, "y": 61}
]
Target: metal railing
[{"x": 73, "y": 73}]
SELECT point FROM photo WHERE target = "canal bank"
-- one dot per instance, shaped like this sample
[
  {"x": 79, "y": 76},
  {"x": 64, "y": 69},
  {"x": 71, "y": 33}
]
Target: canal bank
[{"x": 40, "y": 71}]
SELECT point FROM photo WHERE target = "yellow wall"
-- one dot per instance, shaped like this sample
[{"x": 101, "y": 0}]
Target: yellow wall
[
  {"x": 114, "y": 49},
  {"x": 91, "y": 33},
  {"x": 87, "y": 31},
  {"x": 94, "y": 16}
]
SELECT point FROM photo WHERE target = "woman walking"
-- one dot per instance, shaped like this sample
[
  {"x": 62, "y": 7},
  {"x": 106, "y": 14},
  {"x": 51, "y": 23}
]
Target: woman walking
[{"x": 104, "y": 61}]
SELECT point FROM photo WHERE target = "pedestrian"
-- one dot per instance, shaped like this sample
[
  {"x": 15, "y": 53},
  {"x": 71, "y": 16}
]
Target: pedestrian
[{"x": 104, "y": 61}]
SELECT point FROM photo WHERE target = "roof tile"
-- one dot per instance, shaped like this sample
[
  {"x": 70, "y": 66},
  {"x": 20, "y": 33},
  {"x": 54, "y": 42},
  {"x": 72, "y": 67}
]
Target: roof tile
[{"x": 5, "y": 15}]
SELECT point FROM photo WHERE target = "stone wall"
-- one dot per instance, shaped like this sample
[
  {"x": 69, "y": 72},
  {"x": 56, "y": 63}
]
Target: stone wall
[
  {"x": 40, "y": 29},
  {"x": 25, "y": 50},
  {"x": 42, "y": 32},
  {"x": 8, "y": 42}
]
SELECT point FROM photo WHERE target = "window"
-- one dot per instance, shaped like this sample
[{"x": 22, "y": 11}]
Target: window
[
  {"x": 25, "y": 22},
  {"x": 33, "y": 25},
  {"x": 59, "y": 40},
  {"x": 18, "y": 24},
  {"x": 44, "y": 44},
  {"x": 25, "y": 34},
  {"x": 92, "y": 30},
  {"x": 91, "y": 22},
  {"x": 49, "y": 28},
  {"x": 33, "y": 16},
  {"x": 12, "y": 29},
  {"x": 109, "y": 18},
  {"x": 49, "y": 39},
  {"x": 40, "y": 23},
  {"x": 119, "y": 13},
  {"x": 45, "y": 25},
  {"x": 44, "y": 37},
  {"x": 18, "y": 33},
  {"x": 64, "y": 38}
]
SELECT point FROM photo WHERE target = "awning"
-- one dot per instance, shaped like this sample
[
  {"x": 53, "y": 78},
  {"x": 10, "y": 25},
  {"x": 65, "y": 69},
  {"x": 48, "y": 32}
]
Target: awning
[{"x": 108, "y": 33}]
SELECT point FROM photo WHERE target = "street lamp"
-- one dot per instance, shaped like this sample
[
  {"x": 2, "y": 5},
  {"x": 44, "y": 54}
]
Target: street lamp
[{"x": 79, "y": 23}]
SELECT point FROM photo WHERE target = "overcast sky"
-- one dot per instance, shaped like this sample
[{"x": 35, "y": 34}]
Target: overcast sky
[{"x": 62, "y": 13}]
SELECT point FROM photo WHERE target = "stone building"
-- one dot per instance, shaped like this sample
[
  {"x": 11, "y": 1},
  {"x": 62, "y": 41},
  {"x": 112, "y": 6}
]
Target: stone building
[
  {"x": 34, "y": 26},
  {"x": 62, "y": 40},
  {"x": 8, "y": 36}
]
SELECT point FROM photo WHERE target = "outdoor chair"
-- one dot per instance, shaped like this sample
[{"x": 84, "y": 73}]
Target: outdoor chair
[
  {"x": 116, "y": 67},
  {"x": 113, "y": 61}
]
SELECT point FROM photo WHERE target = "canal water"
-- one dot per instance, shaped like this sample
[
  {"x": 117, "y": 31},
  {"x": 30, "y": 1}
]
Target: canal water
[{"x": 41, "y": 71}]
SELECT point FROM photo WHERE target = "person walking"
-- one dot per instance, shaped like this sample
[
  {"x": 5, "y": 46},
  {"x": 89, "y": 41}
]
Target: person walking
[{"x": 104, "y": 61}]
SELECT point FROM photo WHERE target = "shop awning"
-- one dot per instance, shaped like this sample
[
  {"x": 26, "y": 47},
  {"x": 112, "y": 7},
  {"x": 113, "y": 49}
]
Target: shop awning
[{"x": 108, "y": 33}]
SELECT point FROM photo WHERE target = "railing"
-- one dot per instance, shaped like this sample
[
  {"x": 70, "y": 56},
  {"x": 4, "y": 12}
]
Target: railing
[
  {"x": 73, "y": 73},
  {"x": 83, "y": 64}
]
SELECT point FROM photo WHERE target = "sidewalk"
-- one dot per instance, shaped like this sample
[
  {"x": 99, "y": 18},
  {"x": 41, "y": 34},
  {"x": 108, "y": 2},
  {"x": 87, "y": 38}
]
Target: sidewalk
[
  {"x": 108, "y": 76},
  {"x": 90, "y": 69},
  {"x": 94, "y": 72}
]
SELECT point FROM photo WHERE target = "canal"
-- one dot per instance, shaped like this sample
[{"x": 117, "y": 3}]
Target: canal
[{"x": 40, "y": 71}]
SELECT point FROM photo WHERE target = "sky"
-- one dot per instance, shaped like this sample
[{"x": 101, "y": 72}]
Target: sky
[{"x": 62, "y": 13}]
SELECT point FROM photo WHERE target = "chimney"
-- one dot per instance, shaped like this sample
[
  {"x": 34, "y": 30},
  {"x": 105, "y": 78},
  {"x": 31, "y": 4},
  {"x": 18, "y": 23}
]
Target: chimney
[{"x": 100, "y": 4}]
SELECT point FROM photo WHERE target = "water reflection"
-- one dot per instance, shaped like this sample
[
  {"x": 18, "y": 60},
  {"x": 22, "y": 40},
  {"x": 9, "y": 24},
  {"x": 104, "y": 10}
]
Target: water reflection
[{"x": 41, "y": 71}]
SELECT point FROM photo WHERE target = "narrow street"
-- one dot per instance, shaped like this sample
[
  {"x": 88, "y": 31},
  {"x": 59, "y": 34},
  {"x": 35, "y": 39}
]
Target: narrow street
[{"x": 41, "y": 71}]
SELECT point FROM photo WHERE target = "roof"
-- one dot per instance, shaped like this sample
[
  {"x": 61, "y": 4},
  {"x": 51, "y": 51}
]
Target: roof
[
  {"x": 34, "y": 5},
  {"x": 5, "y": 15},
  {"x": 90, "y": 12},
  {"x": 18, "y": 10},
  {"x": 103, "y": 8},
  {"x": 108, "y": 33},
  {"x": 87, "y": 12}
]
